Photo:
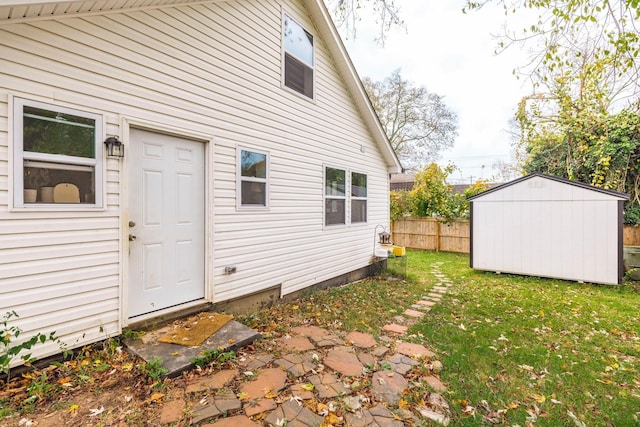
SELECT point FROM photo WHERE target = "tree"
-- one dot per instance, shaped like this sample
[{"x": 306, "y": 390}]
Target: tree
[
  {"x": 418, "y": 123},
  {"x": 431, "y": 196},
  {"x": 346, "y": 14},
  {"x": 570, "y": 132},
  {"x": 606, "y": 30},
  {"x": 582, "y": 121}
]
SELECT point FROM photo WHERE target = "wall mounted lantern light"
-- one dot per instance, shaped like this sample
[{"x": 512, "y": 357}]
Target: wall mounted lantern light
[{"x": 115, "y": 147}]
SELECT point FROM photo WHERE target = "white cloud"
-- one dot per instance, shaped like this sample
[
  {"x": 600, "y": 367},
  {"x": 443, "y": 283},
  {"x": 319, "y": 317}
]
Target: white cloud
[{"x": 452, "y": 55}]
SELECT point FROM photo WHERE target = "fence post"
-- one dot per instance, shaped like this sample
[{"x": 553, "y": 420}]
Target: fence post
[{"x": 437, "y": 235}]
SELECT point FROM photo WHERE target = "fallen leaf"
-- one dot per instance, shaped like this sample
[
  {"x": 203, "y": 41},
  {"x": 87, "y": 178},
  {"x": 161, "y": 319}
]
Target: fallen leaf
[
  {"x": 127, "y": 367},
  {"x": 332, "y": 419},
  {"x": 64, "y": 380},
  {"x": 94, "y": 412},
  {"x": 575, "y": 419},
  {"x": 307, "y": 387},
  {"x": 322, "y": 409},
  {"x": 157, "y": 396},
  {"x": 243, "y": 396},
  {"x": 538, "y": 397},
  {"x": 73, "y": 408}
]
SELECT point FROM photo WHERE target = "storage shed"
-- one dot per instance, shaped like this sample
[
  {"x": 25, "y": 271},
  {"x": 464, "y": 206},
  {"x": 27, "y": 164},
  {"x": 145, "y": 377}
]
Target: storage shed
[{"x": 546, "y": 226}]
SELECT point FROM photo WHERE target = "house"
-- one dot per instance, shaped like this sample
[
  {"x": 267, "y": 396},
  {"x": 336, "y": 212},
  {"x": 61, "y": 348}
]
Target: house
[
  {"x": 253, "y": 160},
  {"x": 402, "y": 182},
  {"x": 546, "y": 226}
]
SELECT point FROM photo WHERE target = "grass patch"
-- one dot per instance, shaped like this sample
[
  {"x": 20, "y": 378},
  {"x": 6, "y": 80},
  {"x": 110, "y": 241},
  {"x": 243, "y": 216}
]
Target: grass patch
[
  {"x": 524, "y": 350},
  {"x": 363, "y": 306}
]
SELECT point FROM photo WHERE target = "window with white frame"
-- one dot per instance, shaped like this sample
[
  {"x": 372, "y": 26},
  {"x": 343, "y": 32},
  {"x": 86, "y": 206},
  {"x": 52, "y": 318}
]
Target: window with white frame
[
  {"x": 298, "y": 57},
  {"x": 358, "y": 197},
  {"x": 335, "y": 200},
  {"x": 253, "y": 178},
  {"x": 57, "y": 154}
]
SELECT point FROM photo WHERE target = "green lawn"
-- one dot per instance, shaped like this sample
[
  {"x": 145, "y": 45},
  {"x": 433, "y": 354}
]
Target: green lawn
[
  {"x": 521, "y": 349},
  {"x": 516, "y": 351}
]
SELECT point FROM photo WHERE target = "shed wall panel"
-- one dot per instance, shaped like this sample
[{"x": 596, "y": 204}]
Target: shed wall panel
[{"x": 546, "y": 228}]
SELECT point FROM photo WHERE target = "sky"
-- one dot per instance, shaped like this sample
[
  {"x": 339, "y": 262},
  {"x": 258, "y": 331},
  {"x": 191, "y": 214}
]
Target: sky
[{"x": 452, "y": 55}]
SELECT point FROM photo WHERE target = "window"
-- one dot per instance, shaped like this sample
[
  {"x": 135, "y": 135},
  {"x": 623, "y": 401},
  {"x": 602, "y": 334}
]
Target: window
[
  {"x": 58, "y": 155},
  {"x": 358, "y": 197},
  {"x": 253, "y": 178},
  {"x": 336, "y": 197},
  {"x": 298, "y": 58},
  {"x": 335, "y": 200}
]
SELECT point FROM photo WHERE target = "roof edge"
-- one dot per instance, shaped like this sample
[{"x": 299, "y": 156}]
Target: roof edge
[
  {"x": 622, "y": 196},
  {"x": 354, "y": 83}
]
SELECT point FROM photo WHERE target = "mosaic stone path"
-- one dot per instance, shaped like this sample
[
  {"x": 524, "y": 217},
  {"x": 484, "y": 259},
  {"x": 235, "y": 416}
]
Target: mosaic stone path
[{"x": 312, "y": 374}]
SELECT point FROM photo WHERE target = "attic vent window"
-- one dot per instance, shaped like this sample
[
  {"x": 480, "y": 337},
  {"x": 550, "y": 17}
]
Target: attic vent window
[{"x": 298, "y": 58}]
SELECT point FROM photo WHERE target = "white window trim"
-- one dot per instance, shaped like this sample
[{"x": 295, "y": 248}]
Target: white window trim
[
  {"x": 240, "y": 178},
  {"x": 351, "y": 198},
  {"x": 326, "y": 197},
  {"x": 73, "y": 162},
  {"x": 282, "y": 59},
  {"x": 347, "y": 197}
]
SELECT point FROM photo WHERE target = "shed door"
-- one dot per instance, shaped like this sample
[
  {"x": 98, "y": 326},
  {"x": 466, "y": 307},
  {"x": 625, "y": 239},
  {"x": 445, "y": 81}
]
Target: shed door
[{"x": 166, "y": 214}]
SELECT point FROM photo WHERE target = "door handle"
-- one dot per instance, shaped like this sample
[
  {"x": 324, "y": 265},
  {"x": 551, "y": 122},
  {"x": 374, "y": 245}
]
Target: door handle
[{"x": 132, "y": 237}]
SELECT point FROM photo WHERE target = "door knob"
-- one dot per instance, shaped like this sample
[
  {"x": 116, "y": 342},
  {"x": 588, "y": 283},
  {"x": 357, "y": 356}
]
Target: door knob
[
  {"x": 132, "y": 224},
  {"x": 132, "y": 237}
]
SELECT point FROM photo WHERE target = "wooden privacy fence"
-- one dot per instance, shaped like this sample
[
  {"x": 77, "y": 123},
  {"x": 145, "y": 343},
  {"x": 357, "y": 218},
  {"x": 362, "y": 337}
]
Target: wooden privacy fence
[
  {"x": 434, "y": 234},
  {"x": 631, "y": 235},
  {"x": 431, "y": 234}
]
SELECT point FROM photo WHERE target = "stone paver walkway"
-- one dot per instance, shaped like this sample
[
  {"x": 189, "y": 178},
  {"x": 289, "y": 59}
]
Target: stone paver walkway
[{"x": 313, "y": 376}]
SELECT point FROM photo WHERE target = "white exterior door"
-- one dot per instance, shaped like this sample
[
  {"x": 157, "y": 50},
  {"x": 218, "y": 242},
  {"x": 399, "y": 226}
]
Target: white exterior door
[{"x": 167, "y": 222}]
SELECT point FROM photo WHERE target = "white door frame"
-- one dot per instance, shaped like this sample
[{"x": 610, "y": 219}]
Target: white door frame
[{"x": 126, "y": 124}]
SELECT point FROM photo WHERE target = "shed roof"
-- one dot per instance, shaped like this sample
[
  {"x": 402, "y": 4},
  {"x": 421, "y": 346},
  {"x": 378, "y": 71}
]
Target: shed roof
[
  {"x": 13, "y": 11},
  {"x": 615, "y": 194}
]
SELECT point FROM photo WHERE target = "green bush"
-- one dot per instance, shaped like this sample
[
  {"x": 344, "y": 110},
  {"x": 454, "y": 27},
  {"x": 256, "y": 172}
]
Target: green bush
[{"x": 9, "y": 350}]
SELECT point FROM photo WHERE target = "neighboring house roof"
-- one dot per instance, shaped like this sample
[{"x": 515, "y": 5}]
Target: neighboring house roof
[
  {"x": 402, "y": 181},
  {"x": 12, "y": 11},
  {"x": 612, "y": 193},
  {"x": 405, "y": 182}
]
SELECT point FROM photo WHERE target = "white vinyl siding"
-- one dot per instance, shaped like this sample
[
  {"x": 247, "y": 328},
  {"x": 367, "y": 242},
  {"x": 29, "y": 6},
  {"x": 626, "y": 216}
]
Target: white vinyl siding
[{"x": 211, "y": 68}]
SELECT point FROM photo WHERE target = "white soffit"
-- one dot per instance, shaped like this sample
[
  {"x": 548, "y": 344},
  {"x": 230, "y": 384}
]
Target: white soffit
[{"x": 19, "y": 10}]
